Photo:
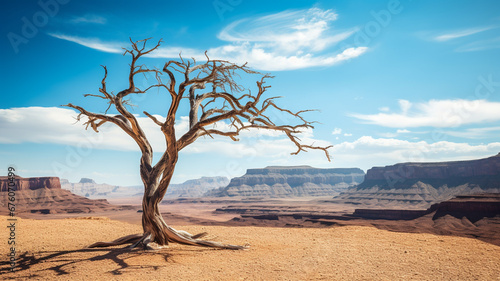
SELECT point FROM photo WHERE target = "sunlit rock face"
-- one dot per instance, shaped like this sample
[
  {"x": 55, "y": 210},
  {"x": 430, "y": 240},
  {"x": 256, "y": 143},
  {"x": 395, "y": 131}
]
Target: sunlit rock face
[
  {"x": 44, "y": 195},
  {"x": 292, "y": 181},
  {"x": 421, "y": 184},
  {"x": 30, "y": 183}
]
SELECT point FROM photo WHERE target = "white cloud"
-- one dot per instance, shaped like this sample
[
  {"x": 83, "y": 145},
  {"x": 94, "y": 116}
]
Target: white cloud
[
  {"x": 394, "y": 134},
  {"x": 337, "y": 131},
  {"x": 436, "y": 113},
  {"x": 93, "y": 43},
  {"x": 89, "y": 18},
  {"x": 288, "y": 31},
  {"x": 283, "y": 41},
  {"x": 347, "y": 135},
  {"x": 267, "y": 59},
  {"x": 462, "y": 33},
  {"x": 405, "y": 106},
  {"x": 474, "y": 133},
  {"x": 385, "y": 109},
  {"x": 367, "y": 151},
  {"x": 57, "y": 125}
]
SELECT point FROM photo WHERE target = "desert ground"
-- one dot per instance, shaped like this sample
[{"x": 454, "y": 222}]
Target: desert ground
[
  {"x": 53, "y": 247},
  {"x": 55, "y": 250}
]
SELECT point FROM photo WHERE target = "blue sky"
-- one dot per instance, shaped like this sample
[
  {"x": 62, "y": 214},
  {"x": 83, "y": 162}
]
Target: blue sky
[{"x": 393, "y": 81}]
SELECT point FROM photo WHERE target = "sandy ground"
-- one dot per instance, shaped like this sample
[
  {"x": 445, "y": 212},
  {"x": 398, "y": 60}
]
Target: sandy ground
[{"x": 55, "y": 250}]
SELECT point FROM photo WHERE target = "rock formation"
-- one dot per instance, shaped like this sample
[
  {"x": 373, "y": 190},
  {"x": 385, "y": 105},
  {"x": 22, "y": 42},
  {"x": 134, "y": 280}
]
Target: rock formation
[
  {"x": 291, "y": 181},
  {"x": 44, "y": 195},
  {"x": 474, "y": 207},
  {"x": 196, "y": 187},
  {"x": 418, "y": 185},
  {"x": 191, "y": 188},
  {"x": 87, "y": 180},
  {"x": 30, "y": 183},
  {"x": 90, "y": 189}
]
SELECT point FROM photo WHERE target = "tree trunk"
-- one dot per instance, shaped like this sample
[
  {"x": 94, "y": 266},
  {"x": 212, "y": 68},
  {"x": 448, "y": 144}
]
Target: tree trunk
[
  {"x": 157, "y": 230},
  {"x": 156, "y": 186},
  {"x": 152, "y": 221}
]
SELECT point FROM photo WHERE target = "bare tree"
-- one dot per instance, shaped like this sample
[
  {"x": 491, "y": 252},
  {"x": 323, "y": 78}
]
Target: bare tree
[{"x": 224, "y": 101}]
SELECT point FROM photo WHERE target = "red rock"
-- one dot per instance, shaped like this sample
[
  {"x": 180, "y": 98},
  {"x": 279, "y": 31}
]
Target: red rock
[
  {"x": 29, "y": 183},
  {"x": 438, "y": 170}
]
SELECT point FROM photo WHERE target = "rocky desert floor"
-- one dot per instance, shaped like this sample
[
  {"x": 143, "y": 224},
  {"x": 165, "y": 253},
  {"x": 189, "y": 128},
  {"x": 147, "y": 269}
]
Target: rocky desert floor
[
  {"x": 53, "y": 247},
  {"x": 55, "y": 250}
]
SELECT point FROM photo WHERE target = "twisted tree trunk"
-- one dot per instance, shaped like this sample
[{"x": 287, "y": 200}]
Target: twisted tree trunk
[
  {"x": 156, "y": 232},
  {"x": 224, "y": 103}
]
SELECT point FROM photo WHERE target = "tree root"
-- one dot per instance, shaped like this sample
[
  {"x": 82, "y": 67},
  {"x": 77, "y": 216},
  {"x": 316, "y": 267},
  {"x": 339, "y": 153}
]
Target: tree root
[
  {"x": 144, "y": 237},
  {"x": 183, "y": 237},
  {"x": 175, "y": 236},
  {"x": 122, "y": 240}
]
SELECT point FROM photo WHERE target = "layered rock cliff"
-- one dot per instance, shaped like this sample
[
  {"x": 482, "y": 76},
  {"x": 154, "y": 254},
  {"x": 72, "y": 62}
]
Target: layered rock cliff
[
  {"x": 90, "y": 189},
  {"x": 419, "y": 185},
  {"x": 44, "y": 195},
  {"x": 191, "y": 188},
  {"x": 196, "y": 187},
  {"x": 291, "y": 181},
  {"x": 30, "y": 183}
]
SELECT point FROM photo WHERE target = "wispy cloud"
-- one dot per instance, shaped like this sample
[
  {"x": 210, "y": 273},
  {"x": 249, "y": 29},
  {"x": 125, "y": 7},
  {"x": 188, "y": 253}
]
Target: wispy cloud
[
  {"x": 283, "y": 41},
  {"x": 292, "y": 32},
  {"x": 462, "y": 33},
  {"x": 93, "y": 43},
  {"x": 481, "y": 45},
  {"x": 436, "y": 113},
  {"x": 474, "y": 133},
  {"x": 89, "y": 18},
  {"x": 394, "y": 134}
]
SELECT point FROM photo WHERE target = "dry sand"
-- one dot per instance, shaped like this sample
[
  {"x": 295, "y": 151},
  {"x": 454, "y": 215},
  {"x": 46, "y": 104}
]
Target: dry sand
[{"x": 54, "y": 250}]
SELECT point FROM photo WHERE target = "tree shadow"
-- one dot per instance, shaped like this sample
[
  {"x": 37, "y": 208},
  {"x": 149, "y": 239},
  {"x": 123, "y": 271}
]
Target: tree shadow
[{"x": 64, "y": 260}]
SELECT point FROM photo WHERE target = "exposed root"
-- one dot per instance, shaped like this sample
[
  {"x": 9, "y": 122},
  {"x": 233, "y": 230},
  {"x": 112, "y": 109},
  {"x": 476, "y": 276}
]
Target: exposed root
[
  {"x": 199, "y": 235},
  {"x": 176, "y": 236},
  {"x": 146, "y": 236},
  {"x": 122, "y": 240},
  {"x": 183, "y": 237}
]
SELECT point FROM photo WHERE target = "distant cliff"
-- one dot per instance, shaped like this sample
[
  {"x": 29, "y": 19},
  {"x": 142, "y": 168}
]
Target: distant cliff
[
  {"x": 30, "y": 183},
  {"x": 191, "y": 188},
  {"x": 390, "y": 176},
  {"x": 196, "y": 187},
  {"x": 44, "y": 195},
  {"x": 90, "y": 189},
  {"x": 422, "y": 184},
  {"x": 291, "y": 181}
]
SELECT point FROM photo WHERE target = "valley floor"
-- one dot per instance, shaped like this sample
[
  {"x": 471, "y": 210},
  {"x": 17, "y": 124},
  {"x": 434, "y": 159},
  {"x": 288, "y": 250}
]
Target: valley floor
[{"x": 55, "y": 250}]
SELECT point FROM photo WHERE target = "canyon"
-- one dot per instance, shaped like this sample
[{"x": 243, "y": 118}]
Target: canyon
[
  {"x": 419, "y": 185},
  {"x": 291, "y": 181}
]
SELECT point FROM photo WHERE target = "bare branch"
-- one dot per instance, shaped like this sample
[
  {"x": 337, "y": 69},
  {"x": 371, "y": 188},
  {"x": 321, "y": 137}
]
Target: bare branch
[
  {"x": 153, "y": 118},
  {"x": 100, "y": 119},
  {"x": 223, "y": 104}
]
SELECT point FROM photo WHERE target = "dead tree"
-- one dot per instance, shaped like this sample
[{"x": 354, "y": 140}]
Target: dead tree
[{"x": 223, "y": 101}]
